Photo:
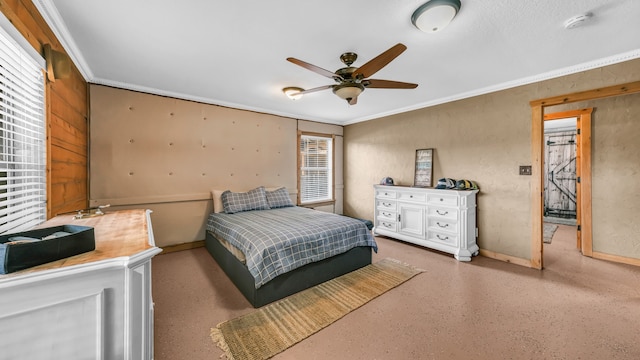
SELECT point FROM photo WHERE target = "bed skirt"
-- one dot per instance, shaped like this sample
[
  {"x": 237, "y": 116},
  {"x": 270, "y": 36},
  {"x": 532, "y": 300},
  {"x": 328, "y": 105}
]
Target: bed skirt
[{"x": 289, "y": 283}]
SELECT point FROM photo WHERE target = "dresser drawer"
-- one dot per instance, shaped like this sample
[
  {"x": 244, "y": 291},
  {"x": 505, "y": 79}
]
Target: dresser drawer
[
  {"x": 413, "y": 197},
  {"x": 442, "y": 213},
  {"x": 387, "y": 225},
  {"x": 386, "y": 215},
  {"x": 442, "y": 225},
  {"x": 385, "y": 194},
  {"x": 442, "y": 199},
  {"x": 442, "y": 237},
  {"x": 386, "y": 205}
]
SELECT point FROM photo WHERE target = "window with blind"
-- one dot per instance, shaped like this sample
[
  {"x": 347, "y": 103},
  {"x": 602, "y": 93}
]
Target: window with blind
[
  {"x": 22, "y": 138},
  {"x": 316, "y": 168}
]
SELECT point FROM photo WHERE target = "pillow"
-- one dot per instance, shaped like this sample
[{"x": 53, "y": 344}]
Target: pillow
[
  {"x": 251, "y": 200},
  {"x": 278, "y": 198},
  {"x": 217, "y": 201}
]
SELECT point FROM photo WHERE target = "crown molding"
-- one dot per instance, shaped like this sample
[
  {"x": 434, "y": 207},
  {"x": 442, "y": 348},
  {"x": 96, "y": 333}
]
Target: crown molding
[
  {"x": 52, "y": 17},
  {"x": 631, "y": 55},
  {"x": 203, "y": 100}
]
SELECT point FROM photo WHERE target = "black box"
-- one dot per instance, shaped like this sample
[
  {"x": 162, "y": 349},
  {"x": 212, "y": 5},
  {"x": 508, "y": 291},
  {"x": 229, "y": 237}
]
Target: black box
[{"x": 23, "y": 254}]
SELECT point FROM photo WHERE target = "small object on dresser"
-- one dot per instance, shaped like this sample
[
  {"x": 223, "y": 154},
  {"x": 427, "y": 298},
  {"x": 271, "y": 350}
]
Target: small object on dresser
[
  {"x": 19, "y": 251},
  {"x": 387, "y": 181},
  {"x": 446, "y": 183},
  {"x": 466, "y": 185},
  {"x": 424, "y": 168}
]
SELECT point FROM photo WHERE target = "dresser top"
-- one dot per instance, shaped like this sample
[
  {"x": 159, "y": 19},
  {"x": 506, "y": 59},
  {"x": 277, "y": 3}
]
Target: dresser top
[
  {"x": 420, "y": 188},
  {"x": 117, "y": 234}
]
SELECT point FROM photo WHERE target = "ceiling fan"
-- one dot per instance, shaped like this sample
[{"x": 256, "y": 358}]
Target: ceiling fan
[{"x": 351, "y": 81}]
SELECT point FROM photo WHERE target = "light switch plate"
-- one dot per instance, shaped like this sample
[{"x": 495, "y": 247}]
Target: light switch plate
[{"x": 525, "y": 169}]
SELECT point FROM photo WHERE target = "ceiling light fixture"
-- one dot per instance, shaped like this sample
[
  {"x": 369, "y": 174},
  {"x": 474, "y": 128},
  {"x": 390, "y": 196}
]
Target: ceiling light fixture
[
  {"x": 348, "y": 91},
  {"x": 435, "y": 15},
  {"x": 293, "y": 93}
]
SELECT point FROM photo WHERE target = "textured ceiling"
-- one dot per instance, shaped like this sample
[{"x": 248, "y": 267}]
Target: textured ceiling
[{"x": 232, "y": 53}]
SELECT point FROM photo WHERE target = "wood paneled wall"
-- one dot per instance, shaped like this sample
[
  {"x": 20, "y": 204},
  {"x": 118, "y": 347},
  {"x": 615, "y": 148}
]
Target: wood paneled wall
[{"x": 67, "y": 114}]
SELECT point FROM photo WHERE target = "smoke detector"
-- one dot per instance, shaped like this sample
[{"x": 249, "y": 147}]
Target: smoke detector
[{"x": 577, "y": 20}]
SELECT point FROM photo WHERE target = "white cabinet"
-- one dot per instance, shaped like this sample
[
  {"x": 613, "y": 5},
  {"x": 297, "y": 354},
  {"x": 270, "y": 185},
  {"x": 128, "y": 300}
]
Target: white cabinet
[
  {"x": 411, "y": 220},
  {"x": 440, "y": 219},
  {"x": 96, "y": 305}
]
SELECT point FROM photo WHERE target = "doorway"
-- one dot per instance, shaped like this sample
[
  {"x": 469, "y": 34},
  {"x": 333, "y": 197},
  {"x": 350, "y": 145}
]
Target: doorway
[
  {"x": 584, "y": 216},
  {"x": 582, "y": 175},
  {"x": 560, "y": 200}
]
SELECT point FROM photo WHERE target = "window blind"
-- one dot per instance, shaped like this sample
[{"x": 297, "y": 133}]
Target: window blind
[
  {"x": 22, "y": 139},
  {"x": 316, "y": 169}
]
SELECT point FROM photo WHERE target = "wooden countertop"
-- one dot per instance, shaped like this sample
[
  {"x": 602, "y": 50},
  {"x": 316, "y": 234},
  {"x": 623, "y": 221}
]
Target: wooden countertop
[{"x": 118, "y": 234}]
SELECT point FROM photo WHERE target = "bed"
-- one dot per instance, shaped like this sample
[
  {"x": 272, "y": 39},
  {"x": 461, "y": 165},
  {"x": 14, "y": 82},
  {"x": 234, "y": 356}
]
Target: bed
[{"x": 271, "y": 249}]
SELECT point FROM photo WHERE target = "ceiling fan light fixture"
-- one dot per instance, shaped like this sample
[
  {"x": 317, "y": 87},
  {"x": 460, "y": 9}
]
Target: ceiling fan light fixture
[
  {"x": 293, "y": 93},
  {"x": 435, "y": 15},
  {"x": 348, "y": 91}
]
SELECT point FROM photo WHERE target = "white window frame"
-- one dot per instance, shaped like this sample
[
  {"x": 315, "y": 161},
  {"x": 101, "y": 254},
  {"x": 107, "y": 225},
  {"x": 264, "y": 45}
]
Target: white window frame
[
  {"x": 312, "y": 193},
  {"x": 23, "y": 133}
]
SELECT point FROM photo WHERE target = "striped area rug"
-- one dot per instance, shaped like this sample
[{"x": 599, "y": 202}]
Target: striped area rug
[{"x": 279, "y": 325}]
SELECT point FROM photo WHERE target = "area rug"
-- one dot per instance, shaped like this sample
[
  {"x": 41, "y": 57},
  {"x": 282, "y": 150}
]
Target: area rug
[
  {"x": 547, "y": 232},
  {"x": 279, "y": 325}
]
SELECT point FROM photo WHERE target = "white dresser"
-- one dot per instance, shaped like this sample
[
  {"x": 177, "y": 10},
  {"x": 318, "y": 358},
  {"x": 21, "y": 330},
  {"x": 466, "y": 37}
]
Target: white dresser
[
  {"x": 96, "y": 305},
  {"x": 444, "y": 220}
]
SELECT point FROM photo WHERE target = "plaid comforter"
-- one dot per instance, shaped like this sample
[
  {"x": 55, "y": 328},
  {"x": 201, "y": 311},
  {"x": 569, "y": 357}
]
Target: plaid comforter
[{"x": 276, "y": 241}]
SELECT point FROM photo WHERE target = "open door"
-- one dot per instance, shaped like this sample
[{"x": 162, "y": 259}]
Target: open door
[{"x": 583, "y": 175}]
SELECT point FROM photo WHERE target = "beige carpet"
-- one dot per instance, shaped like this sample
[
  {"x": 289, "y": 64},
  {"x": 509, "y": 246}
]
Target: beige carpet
[
  {"x": 277, "y": 326},
  {"x": 547, "y": 232}
]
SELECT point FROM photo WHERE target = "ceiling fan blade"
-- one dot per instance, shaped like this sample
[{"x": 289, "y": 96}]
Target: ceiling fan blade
[
  {"x": 353, "y": 101},
  {"x": 387, "y": 84},
  {"x": 379, "y": 62},
  {"x": 316, "y": 89},
  {"x": 315, "y": 69}
]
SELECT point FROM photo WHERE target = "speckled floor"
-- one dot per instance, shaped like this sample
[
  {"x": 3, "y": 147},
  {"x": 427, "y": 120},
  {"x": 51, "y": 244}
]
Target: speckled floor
[{"x": 576, "y": 308}]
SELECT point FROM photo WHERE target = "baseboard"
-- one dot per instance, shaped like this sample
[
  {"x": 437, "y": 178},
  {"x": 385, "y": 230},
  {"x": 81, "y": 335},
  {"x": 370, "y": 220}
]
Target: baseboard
[
  {"x": 183, "y": 246},
  {"x": 506, "y": 258},
  {"x": 616, "y": 258}
]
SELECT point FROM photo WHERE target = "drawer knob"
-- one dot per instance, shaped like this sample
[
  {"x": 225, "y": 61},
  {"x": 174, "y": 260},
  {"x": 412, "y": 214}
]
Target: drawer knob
[
  {"x": 441, "y": 199},
  {"x": 411, "y": 196},
  {"x": 442, "y": 237},
  {"x": 385, "y": 194},
  {"x": 386, "y": 204},
  {"x": 442, "y": 213},
  {"x": 442, "y": 226}
]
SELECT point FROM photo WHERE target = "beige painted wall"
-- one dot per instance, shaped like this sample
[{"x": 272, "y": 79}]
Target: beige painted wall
[
  {"x": 165, "y": 154},
  {"x": 486, "y": 138},
  {"x": 616, "y": 168}
]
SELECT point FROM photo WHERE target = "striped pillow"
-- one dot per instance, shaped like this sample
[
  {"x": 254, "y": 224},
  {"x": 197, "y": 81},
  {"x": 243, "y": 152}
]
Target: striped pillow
[{"x": 255, "y": 199}]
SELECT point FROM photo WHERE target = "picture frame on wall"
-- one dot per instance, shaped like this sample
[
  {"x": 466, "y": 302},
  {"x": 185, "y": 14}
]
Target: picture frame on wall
[{"x": 424, "y": 168}]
